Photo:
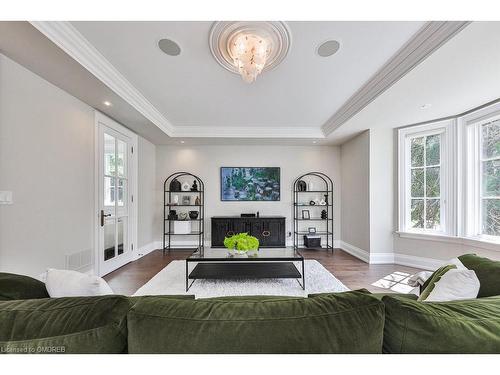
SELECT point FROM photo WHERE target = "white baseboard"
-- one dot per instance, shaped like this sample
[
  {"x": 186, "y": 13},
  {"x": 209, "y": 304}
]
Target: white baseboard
[
  {"x": 417, "y": 262},
  {"x": 365, "y": 256},
  {"x": 381, "y": 258},
  {"x": 155, "y": 245},
  {"x": 391, "y": 258},
  {"x": 146, "y": 249},
  {"x": 355, "y": 251}
]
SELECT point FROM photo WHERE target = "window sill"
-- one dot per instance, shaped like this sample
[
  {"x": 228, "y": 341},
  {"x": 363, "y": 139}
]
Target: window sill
[{"x": 467, "y": 241}]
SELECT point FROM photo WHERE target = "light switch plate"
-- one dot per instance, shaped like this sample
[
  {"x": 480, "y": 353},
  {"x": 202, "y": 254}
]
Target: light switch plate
[{"x": 6, "y": 197}]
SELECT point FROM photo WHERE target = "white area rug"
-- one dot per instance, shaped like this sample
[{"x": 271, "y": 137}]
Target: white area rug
[{"x": 172, "y": 281}]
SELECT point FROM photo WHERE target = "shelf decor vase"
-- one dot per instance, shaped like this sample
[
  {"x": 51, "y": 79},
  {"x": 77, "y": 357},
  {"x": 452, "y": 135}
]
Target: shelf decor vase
[
  {"x": 175, "y": 185},
  {"x": 238, "y": 253}
]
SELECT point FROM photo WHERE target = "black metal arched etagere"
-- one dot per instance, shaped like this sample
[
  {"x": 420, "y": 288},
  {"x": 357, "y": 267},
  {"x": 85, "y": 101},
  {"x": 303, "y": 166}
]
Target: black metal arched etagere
[
  {"x": 168, "y": 222},
  {"x": 323, "y": 189}
]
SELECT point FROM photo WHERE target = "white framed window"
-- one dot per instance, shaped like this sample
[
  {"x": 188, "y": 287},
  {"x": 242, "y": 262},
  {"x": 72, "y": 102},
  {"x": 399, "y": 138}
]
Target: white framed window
[
  {"x": 425, "y": 170},
  {"x": 449, "y": 179},
  {"x": 481, "y": 214}
]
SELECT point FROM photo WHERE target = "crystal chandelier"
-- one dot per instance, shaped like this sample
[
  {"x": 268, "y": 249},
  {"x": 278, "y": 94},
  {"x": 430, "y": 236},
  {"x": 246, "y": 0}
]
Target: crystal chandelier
[
  {"x": 249, "y": 48},
  {"x": 249, "y": 53}
]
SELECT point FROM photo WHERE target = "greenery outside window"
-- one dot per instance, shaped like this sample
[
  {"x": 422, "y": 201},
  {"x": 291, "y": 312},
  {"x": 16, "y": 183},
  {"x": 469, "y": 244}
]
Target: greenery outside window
[
  {"x": 425, "y": 182},
  {"x": 449, "y": 179},
  {"x": 490, "y": 178},
  {"x": 423, "y": 179},
  {"x": 481, "y": 215}
]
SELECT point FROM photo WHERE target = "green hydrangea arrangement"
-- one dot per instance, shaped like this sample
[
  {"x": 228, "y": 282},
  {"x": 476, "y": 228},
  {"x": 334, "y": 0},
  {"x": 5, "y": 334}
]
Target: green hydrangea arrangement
[{"x": 241, "y": 242}]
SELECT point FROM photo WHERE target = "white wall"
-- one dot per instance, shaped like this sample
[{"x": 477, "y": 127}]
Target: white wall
[
  {"x": 47, "y": 160},
  {"x": 205, "y": 161},
  {"x": 355, "y": 192},
  {"x": 147, "y": 193},
  {"x": 440, "y": 250},
  {"x": 382, "y": 190}
]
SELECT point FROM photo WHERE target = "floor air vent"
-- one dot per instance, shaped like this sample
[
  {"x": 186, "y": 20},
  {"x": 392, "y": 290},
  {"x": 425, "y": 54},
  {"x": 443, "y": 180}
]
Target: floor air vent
[{"x": 79, "y": 261}]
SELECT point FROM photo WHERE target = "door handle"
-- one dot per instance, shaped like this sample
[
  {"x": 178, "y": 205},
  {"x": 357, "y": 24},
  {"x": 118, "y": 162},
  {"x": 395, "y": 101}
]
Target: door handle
[
  {"x": 266, "y": 233},
  {"x": 103, "y": 215}
]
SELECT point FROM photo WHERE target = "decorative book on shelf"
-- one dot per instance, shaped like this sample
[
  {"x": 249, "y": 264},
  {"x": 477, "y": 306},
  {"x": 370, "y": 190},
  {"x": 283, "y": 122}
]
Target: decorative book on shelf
[
  {"x": 183, "y": 212},
  {"x": 313, "y": 212}
]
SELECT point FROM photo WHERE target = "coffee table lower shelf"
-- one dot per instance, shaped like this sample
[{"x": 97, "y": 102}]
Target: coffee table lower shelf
[{"x": 246, "y": 270}]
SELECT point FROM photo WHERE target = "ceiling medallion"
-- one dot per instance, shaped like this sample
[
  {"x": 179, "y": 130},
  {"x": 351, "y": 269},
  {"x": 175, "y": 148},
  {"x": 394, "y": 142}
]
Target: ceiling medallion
[{"x": 249, "y": 48}]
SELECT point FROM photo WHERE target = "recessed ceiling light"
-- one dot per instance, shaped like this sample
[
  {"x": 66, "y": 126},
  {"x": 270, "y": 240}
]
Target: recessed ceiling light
[
  {"x": 425, "y": 106},
  {"x": 328, "y": 48},
  {"x": 169, "y": 47},
  {"x": 183, "y": 142},
  {"x": 106, "y": 103}
]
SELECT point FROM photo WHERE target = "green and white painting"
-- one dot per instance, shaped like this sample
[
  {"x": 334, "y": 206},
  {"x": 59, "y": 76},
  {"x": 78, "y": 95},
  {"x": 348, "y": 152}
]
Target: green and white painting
[{"x": 250, "y": 183}]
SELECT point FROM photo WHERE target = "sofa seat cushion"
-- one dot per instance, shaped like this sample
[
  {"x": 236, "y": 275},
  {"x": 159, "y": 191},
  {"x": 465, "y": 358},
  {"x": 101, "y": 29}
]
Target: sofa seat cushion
[
  {"x": 349, "y": 322},
  {"x": 487, "y": 271},
  {"x": 65, "y": 325},
  {"x": 15, "y": 287},
  {"x": 469, "y": 326}
]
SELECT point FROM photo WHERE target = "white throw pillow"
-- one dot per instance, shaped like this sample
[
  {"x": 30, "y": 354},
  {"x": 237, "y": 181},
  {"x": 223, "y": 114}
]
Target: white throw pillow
[
  {"x": 455, "y": 285},
  {"x": 457, "y": 263},
  {"x": 65, "y": 283}
]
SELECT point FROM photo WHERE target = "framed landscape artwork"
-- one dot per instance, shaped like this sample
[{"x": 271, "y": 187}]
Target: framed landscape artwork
[{"x": 250, "y": 183}]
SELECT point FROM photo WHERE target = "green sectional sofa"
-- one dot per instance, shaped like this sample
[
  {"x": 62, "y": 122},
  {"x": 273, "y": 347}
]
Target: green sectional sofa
[{"x": 349, "y": 322}]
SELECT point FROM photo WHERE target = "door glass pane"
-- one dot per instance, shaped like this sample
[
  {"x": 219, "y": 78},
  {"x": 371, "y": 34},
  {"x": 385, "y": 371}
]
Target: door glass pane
[
  {"x": 490, "y": 134},
  {"x": 122, "y": 225},
  {"x": 417, "y": 213},
  {"x": 432, "y": 182},
  {"x": 121, "y": 158},
  {"x": 122, "y": 192},
  {"x": 109, "y": 239},
  {"x": 109, "y": 155},
  {"x": 491, "y": 217},
  {"x": 432, "y": 214},
  {"x": 417, "y": 152},
  {"x": 432, "y": 149},
  {"x": 491, "y": 178},
  {"x": 109, "y": 191}
]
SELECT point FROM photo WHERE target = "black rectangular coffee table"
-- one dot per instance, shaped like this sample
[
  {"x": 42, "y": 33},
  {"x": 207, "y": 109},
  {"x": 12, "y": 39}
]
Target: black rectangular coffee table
[{"x": 264, "y": 264}]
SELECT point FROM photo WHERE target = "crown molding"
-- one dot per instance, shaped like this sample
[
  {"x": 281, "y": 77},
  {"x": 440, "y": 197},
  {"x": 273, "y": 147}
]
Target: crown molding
[
  {"x": 247, "y": 132},
  {"x": 428, "y": 39},
  {"x": 71, "y": 41}
]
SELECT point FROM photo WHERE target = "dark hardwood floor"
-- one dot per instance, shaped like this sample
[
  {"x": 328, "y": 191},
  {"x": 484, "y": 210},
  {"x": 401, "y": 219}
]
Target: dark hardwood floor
[{"x": 354, "y": 273}]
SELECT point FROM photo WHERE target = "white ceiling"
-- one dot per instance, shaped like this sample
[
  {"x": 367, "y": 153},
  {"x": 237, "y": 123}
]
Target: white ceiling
[
  {"x": 196, "y": 94},
  {"x": 459, "y": 76},
  {"x": 205, "y": 104}
]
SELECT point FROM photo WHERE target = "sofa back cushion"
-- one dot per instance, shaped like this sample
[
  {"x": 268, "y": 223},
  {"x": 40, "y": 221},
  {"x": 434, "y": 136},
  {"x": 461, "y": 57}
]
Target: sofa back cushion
[
  {"x": 487, "y": 271},
  {"x": 350, "y": 322},
  {"x": 65, "y": 325},
  {"x": 470, "y": 326},
  {"x": 15, "y": 287}
]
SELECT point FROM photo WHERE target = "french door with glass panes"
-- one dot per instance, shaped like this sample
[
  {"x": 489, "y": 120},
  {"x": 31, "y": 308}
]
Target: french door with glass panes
[{"x": 116, "y": 226}]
